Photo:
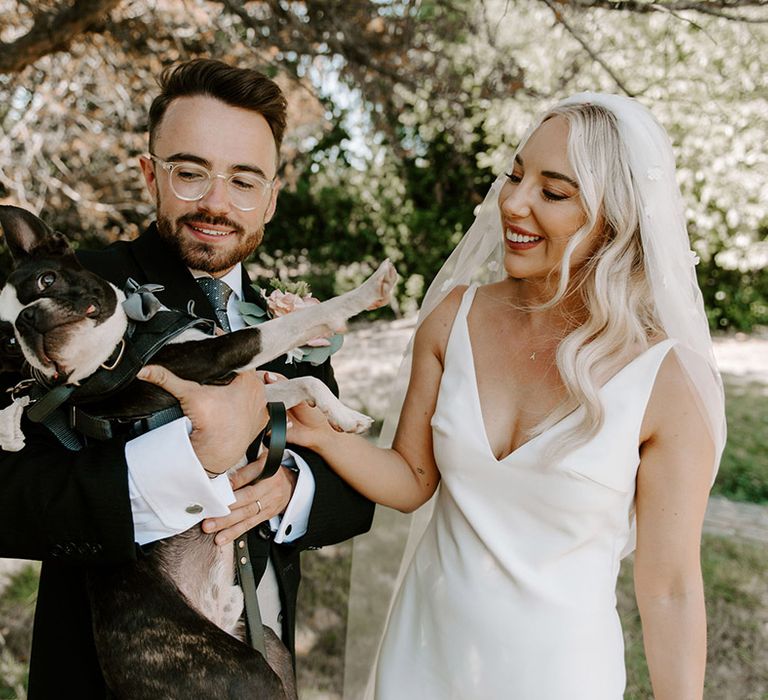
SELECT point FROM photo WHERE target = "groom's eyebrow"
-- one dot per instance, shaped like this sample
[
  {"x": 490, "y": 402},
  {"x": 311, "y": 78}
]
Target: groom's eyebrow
[{"x": 240, "y": 167}]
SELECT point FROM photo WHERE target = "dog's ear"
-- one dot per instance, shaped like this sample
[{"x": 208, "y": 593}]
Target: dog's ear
[{"x": 28, "y": 235}]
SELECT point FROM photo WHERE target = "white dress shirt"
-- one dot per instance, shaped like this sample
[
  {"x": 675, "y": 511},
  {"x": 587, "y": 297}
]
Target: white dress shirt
[{"x": 170, "y": 492}]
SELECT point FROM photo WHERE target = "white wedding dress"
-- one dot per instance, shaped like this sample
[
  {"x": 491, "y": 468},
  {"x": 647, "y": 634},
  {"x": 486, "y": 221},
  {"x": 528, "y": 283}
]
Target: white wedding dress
[{"x": 511, "y": 591}]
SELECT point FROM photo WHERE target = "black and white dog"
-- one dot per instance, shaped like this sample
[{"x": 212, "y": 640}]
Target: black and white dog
[{"x": 68, "y": 323}]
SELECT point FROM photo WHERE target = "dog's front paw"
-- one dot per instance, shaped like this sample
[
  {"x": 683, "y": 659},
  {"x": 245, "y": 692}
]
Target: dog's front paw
[
  {"x": 345, "y": 420},
  {"x": 11, "y": 436},
  {"x": 379, "y": 285}
]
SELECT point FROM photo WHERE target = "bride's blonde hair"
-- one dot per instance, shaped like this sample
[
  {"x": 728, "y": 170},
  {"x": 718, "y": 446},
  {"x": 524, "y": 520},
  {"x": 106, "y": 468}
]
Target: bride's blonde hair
[{"x": 612, "y": 285}]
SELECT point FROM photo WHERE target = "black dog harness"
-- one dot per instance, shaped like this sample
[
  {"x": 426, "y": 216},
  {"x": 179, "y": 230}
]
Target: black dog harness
[{"x": 136, "y": 348}]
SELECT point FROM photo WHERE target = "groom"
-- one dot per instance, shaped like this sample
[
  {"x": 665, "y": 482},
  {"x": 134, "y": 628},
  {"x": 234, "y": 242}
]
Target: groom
[{"x": 214, "y": 140}]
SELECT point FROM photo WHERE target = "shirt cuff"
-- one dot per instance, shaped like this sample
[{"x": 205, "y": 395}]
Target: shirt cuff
[
  {"x": 169, "y": 489},
  {"x": 295, "y": 519}
]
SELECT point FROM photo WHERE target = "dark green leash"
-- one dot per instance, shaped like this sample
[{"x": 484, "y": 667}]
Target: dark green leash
[{"x": 278, "y": 430}]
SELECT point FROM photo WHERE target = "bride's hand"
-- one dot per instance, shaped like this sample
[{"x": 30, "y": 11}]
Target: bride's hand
[{"x": 308, "y": 426}]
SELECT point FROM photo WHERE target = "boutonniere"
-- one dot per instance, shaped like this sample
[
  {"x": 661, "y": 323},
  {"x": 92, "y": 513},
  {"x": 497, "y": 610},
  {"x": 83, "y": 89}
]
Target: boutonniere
[{"x": 285, "y": 298}]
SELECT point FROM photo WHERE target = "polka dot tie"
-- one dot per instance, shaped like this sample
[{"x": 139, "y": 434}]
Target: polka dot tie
[{"x": 218, "y": 294}]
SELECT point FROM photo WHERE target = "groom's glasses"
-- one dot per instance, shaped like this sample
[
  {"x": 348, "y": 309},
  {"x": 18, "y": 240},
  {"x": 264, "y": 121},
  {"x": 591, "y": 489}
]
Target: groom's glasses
[{"x": 190, "y": 182}]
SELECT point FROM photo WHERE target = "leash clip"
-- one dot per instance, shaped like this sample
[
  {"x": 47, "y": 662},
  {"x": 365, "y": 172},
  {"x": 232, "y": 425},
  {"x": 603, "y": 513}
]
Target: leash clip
[{"x": 14, "y": 391}]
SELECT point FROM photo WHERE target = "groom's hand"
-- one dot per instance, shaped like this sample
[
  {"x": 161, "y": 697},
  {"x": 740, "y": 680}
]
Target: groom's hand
[
  {"x": 255, "y": 502},
  {"x": 225, "y": 419}
]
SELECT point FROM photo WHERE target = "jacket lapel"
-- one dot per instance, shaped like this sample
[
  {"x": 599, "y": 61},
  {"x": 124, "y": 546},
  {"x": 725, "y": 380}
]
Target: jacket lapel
[
  {"x": 251, "y": 294},
  {"x": 161, "y": 265}
]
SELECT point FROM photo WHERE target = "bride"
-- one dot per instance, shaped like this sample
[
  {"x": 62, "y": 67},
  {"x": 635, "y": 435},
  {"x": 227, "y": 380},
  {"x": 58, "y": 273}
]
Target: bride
[{"x": 565, "y": 409}]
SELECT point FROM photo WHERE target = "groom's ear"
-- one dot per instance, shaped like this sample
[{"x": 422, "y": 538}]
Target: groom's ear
[
  {"x": 270, "y": 212},
  {"x": 150, "y": 178}
]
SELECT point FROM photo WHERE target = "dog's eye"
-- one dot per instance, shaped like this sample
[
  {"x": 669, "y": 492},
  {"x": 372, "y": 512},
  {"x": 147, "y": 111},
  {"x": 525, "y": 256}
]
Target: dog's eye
[{"x": 46, "y": 280}]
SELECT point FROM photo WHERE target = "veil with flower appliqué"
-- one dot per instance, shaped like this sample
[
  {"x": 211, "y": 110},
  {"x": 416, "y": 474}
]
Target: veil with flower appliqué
[{"x": 381, "y": 558}]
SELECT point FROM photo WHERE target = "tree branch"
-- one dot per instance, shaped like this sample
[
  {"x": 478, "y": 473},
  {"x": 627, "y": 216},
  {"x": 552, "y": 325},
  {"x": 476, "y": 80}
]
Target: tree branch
[
  {"x": 52, "y": 31},
  {"x": 718, "y": 8},
  {"x": 595, "y": 57}
]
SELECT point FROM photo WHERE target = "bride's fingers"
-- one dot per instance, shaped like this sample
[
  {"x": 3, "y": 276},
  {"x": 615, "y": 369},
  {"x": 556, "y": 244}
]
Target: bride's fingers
[{"x": 306, "y": 414}]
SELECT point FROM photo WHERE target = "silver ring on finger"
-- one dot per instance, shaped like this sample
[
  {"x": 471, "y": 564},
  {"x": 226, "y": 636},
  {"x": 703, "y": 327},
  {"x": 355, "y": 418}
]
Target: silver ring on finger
[{"x": 258, "y": 505}]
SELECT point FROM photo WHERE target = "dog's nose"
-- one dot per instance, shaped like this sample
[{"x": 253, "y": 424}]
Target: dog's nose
[{"x": 28, "y": 317}]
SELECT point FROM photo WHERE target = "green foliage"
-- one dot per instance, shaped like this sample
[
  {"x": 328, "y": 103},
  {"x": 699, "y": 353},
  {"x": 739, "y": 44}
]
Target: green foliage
[
  {"x": 17, "y": 605},
  {"x": 735, "y": 291},
  {"x": 340, "y": 220},
  {"x": 440, "y": 93},
  {"x": 413, "y": 196}
]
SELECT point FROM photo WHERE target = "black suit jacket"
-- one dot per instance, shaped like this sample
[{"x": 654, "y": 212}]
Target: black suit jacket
[{"x": 72, "y": 511}]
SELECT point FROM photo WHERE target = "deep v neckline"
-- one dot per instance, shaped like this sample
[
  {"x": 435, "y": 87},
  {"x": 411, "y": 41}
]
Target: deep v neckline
[
  {"x": 479, "y": 404},
  {"x": 481, "y": 418}
]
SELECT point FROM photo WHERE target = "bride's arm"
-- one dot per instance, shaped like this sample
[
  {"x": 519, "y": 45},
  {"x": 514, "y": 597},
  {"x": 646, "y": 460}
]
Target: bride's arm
[
  {"x": 672, "y": 488},
  {"x": 405, "y": 476}
]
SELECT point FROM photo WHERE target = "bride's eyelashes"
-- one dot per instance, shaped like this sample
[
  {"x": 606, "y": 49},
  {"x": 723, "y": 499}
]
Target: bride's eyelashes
[
  {"x": 554, "y": 197},
  {"x": 547, "y": 194}
]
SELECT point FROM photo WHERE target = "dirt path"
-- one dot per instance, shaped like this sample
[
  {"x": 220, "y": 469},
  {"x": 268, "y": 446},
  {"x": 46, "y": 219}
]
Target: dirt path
[{"x": 745, "y": 520}]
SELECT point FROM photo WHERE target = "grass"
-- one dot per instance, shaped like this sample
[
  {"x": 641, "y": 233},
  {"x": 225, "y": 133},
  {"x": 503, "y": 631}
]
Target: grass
[
  {"x": 22, "y": 588},
  {"x": 736, "y": 584},
  {"x": 743, "y": 472},
  {"x": 16, "y": 611},
  {"x": 323, "y": 610},
  {"x": 735, "y": 575}
]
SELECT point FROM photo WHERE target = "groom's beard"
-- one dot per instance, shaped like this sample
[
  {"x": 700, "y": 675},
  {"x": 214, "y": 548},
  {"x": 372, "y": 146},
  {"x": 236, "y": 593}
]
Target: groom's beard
[{"x": 208, "y": 257}]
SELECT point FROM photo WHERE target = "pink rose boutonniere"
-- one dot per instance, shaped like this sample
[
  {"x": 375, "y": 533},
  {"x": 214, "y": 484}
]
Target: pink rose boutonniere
[{"x": 285, "y": 298}]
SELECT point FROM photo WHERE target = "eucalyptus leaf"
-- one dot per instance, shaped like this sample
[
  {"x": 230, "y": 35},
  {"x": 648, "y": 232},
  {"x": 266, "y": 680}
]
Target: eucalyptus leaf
[
  {"x": 316, "y": 356},
  {"x": 252, "y": 314}
]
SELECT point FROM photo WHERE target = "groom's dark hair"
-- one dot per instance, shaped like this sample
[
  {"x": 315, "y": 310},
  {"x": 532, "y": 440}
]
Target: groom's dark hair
[{"x": 238, "y": 87}]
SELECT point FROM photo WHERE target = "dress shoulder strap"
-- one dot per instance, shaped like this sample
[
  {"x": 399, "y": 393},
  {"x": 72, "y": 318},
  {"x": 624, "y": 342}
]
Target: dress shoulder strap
[
  {"x": 466, "y": 302},
  {"x": 458, "y": 339}
]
